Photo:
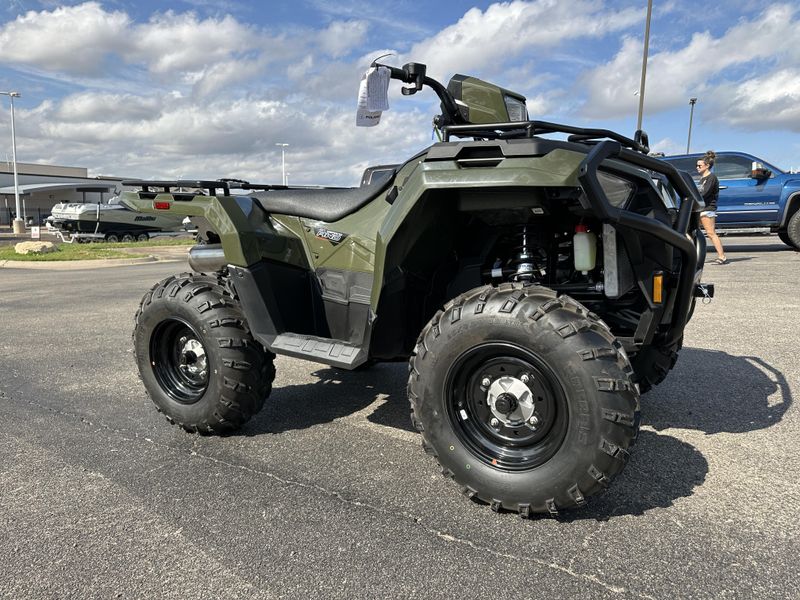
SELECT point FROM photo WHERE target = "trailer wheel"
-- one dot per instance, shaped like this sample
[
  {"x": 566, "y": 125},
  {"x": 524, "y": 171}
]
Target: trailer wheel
[
  {"x": 196, "y": 356},
  {"x": 128, "y": 237},
  {"x": 524, "y": 398},
  {"x": 112, "y": 237},
  {"x": 142, "y": 237}
]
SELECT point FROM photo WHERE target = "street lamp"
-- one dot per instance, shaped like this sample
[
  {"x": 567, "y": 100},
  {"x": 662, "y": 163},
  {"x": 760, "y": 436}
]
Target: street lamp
[
  {"x": 692, "y": 102},
  {"x": 283, "y": 162},
  {"x": 644, "y": 64},
  {"x": 19, "y": 225}
]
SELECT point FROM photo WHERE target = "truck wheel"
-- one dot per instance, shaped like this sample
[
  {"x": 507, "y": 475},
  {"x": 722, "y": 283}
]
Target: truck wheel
[
  {"x": 196, "y": 356},
  {"x": 128, "y": 237},
  {"x": 791, "y": 235},
  {"x": 524, "y": 398},
  {"x": 112, "y": 237},
  {"x": 142, "y": 237}
]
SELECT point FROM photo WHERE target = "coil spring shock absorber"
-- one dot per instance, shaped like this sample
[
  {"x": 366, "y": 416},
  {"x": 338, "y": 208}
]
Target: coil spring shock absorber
[
  {"x": 526, "y": 264},
  {"x": 523, "y": 264}
]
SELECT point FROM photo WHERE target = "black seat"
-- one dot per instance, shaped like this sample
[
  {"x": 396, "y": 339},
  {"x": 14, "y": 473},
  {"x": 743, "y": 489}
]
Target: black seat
[{"x": 326, "y": 205}]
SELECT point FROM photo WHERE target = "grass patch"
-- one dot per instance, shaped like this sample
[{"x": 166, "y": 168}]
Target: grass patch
[
  {"x": 73, "y": 252},
  {"x": 165, "y": 241},
  {"x": 95, "y": 251}
]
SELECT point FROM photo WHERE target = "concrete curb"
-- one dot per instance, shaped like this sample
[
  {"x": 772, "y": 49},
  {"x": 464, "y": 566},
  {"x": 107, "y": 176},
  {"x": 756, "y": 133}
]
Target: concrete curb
[{"x": 76, "y": 264}]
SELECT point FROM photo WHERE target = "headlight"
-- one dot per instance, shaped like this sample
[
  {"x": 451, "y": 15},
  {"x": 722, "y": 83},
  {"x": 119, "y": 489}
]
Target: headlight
[
  {"x": 516, "y": 109},
  {"x": 617, "y": 190}
]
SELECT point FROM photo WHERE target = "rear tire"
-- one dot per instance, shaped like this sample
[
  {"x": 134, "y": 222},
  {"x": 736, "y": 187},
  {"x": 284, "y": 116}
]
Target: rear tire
[
  {"x": 554, "y": 423},
  {"x": 128, "y": 237},
  {"x": 196, "y": 356},
  {"x": 142, "y": 237},
  {"x": 112, "y": 237}
]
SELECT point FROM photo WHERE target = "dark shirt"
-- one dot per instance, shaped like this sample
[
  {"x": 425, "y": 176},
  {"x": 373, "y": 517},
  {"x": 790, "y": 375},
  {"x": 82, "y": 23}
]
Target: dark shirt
[{"x": 709, "y": 190}]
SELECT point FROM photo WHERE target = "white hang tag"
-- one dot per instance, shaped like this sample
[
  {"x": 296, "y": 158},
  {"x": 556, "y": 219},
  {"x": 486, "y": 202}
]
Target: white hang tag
[
  {"x": 373, "y": 96},
  {"x": 378, "y": 89}
]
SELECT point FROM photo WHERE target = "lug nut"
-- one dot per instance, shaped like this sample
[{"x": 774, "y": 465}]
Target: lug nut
[
  {"x": 534, "y": 420},
  {"x": 495, "y": 423},
  {"x": 486, "y": 382},
  {"x": 525, "y": 378}
]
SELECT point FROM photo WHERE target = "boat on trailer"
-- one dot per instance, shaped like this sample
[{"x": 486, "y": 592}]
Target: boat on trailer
[{"x": 110, "y": 221}]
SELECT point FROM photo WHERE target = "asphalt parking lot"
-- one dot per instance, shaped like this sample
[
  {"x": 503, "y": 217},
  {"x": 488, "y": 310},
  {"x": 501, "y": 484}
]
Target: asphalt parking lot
[{"x": 327, "y": 493}]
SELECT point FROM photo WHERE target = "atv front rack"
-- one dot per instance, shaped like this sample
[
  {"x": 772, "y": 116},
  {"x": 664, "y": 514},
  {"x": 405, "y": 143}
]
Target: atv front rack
[{"x": 529, "y": 129}]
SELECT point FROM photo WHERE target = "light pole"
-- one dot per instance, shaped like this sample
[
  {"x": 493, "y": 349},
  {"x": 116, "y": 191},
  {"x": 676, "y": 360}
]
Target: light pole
[
  {"x": 19, "y": 224},
  {"x": 644, "y": 63},
  {"x": 283, "y": 162},
  {"x": 692, "y": 102}
]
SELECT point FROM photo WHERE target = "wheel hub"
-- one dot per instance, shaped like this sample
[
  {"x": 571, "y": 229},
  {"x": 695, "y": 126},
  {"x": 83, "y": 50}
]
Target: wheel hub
[
  {"x": 510, "y": 401},
  {"x": 193, "y": 361}
]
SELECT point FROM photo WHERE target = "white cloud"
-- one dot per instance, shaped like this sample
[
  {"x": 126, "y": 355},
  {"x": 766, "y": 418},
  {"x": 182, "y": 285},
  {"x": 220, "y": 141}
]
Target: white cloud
[
  {"x": 487, "y": 40},
  {"x": 171, "y": 135},
  {"x": 771, "y": 101},
  {"x": 189, "y": 95},
  {"x": 87, "y": 40},
  {"x": 173, "y": 42},
  {"x": 340, "y": 37},
  {"x": 74, "y": 39},
  {"x": 223, "y": 74},
  {"x": 697, "y": 69},
  {"x": 107, "y": 108}
]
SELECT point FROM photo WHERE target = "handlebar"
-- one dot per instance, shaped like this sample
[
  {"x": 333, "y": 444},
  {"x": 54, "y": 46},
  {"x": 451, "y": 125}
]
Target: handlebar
[{"x": 414, "y": 73}]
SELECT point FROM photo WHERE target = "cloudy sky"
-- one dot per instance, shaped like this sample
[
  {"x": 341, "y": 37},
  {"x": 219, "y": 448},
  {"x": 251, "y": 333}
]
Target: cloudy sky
[{"x": 206, "y": 88}]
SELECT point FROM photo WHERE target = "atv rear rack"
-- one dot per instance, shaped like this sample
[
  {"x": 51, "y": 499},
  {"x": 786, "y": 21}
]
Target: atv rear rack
[
  {"x": 150, "y": 189},
  {"x": 528, "y": 129}
]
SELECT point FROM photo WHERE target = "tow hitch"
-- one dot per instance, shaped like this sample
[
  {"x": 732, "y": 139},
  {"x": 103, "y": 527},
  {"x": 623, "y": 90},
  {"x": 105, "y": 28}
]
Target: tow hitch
[{"x": 704, "y": 291}]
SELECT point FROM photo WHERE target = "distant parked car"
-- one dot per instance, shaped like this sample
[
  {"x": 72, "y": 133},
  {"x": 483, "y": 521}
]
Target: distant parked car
[{"x": 752, "y": 193}]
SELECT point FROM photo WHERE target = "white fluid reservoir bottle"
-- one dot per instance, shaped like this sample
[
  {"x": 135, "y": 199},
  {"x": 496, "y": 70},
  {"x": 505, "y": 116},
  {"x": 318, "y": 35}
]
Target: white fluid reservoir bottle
[{"x": 584, "y": 249}]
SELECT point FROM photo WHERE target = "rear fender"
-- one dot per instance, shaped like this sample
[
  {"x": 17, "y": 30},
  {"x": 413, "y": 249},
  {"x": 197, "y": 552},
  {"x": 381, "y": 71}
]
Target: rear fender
[{"x": 246, "y": 232}]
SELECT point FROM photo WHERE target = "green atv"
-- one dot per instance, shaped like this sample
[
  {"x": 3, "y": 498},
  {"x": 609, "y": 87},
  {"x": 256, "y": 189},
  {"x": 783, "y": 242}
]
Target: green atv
[{"x": 535, "y": 285}]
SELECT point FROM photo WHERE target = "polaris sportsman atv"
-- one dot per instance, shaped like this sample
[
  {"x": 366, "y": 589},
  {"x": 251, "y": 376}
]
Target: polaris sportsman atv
[{"x": 535, "y": 285}]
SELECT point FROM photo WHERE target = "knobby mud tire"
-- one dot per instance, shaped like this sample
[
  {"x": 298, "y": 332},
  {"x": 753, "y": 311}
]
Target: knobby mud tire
[
  {"x": 653, "y": 364},
  {"x": 239, "y": 371},
  {"x": 595, "y": 404}
]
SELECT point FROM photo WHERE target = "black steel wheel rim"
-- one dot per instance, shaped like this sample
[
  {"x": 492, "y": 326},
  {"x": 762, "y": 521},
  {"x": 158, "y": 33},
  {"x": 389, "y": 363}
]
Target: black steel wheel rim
[
  {"x": 179, "y": 360},
  {"x": 512, "y": 440}
]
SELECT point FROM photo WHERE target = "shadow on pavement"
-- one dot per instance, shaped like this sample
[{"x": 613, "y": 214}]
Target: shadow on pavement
[
  {"x": 716, "y": 392},
  {"x": 661, "y": 470},
  {"x": 708, "y": 391},
  {"x": 337, "y": 393}
]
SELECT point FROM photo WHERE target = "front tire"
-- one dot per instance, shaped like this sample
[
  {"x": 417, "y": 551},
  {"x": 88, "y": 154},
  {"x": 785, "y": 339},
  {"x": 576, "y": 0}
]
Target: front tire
[
  {"x": 196, "y": 356},
  {"x": 524, "y": 398}
]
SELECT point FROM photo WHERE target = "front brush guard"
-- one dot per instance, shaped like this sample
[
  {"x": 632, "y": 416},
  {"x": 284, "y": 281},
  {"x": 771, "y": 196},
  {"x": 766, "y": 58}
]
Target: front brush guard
[{"x": 676, "y": 237}]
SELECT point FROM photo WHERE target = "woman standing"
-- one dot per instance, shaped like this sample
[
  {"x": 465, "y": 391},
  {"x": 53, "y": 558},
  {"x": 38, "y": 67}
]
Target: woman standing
[{"x": 709, "y": 190}]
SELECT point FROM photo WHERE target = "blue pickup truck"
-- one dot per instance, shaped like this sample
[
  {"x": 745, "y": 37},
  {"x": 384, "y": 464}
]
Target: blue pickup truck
[{"x": 752, "y": 193}]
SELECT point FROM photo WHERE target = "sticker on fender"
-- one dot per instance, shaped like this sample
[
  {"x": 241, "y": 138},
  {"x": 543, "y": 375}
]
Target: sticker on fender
[{"x": 334, "y": 237}]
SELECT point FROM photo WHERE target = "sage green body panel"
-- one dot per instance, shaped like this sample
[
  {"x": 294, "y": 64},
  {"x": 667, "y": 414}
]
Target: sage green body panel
[{"x": 246, "y": 239}]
